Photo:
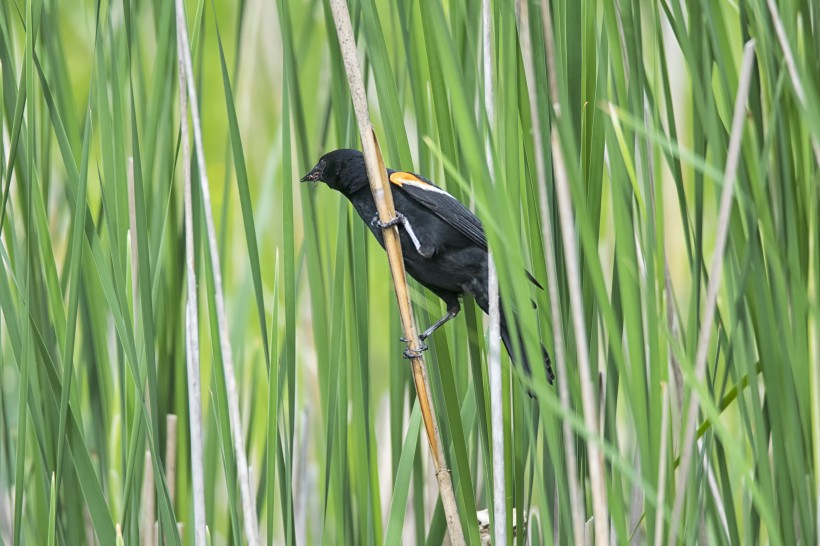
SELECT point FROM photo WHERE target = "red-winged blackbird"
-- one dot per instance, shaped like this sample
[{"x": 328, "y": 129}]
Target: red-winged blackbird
[{"x": 442, "y": 242}]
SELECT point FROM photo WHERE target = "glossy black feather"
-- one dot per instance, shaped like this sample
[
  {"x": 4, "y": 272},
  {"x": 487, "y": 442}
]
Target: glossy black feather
[
  {"x": 449, "y": 254},
  {"x": 446, "y": 207}
]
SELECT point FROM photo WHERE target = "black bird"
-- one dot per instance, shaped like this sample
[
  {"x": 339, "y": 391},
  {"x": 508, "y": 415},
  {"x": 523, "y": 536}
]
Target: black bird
[{"x": 443, "y": 243}]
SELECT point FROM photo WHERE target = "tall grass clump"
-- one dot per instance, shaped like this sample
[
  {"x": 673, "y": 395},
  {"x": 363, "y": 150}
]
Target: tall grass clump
[{"x": 197, "y": 349}]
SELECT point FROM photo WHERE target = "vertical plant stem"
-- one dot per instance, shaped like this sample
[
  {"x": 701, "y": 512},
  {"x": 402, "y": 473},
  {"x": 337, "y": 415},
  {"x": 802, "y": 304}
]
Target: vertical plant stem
[
  {"x": 662, "y": 465},
  {"x": 549, "y": 45},
  {"x": 148, "y": 504},
  {"x": 797, "y": 84},
  {"x": 171, "y": 452},
  {"x": 191, "y": 322},
  {"x": 191, "y": 314},
  {"x": 25, "y": 363},
  {"x": 588, "y": 401},
  {"x": 575, "y": 491},
  {"x": 715, "y": 273},
  {"x": 132, "y": 222},
  {"x": 499, "y": 531},
  {"x": 377, "y": 175},
  {"x": 814, "y": 373}
]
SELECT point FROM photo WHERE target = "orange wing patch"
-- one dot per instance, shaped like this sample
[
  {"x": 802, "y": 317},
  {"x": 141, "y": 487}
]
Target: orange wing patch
[{"x": 400, "y": 178}]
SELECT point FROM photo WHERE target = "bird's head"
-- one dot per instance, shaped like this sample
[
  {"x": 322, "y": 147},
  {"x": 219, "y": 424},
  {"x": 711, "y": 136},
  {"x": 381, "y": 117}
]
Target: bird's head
[{"x": 343, "y": 170}]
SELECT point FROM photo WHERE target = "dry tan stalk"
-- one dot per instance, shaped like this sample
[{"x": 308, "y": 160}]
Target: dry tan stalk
[{"x": 382, "y": 195}]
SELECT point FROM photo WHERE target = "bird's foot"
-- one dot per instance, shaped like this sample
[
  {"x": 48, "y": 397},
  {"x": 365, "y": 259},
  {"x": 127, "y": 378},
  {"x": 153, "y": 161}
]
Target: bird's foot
[
  {"x": 402, "y": 219},
  {"x": 390, "y": 223},
  {"x": 410, "y": 354}
]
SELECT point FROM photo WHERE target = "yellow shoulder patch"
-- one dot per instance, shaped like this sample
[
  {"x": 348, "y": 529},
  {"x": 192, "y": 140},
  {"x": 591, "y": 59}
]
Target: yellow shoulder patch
[{"x": 399, "y": 179}]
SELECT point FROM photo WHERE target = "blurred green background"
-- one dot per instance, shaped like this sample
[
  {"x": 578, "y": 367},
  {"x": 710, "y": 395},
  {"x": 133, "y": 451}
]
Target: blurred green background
[{"x": 92, "y": 310}]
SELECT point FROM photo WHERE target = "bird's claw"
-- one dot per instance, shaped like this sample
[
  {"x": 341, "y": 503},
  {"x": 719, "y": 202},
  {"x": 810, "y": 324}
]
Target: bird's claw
[
  {"x": 390, "y": 223},
  {"x": 410, "y": 354}
]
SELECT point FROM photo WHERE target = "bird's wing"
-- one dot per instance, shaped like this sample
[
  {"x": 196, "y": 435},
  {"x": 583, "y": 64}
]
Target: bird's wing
[
  {"x": 446, "y": 207},
  {"x": 441, "y": 203}
]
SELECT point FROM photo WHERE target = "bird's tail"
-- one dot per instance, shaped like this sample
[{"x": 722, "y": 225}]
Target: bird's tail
[{"x": 524, "y": 361}]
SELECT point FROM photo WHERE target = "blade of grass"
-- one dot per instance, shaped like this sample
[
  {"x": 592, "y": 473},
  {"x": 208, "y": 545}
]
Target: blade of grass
[
  {"x": 191, "y": 318},
  {"x": 576, "y": 495},
  {"x": 716, "y": 269},
  {"x": 224, "y": 343},
  {"x": 401, "y": 485},
  {"x": 244, "y": 197}
]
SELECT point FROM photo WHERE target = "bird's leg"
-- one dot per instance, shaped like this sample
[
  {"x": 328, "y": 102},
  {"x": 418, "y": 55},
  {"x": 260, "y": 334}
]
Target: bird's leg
[
  {"x": 452, "y": 311},
  {"x": 399, "y": 219},
  {"x": 440, "y": 322}
]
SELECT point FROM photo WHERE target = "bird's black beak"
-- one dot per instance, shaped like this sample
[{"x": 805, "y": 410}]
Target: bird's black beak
[{"x": 315, "y": 173}]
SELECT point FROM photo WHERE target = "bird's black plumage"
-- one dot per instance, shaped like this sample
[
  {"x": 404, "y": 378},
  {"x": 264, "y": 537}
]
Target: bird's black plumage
[{"x": 443, "y": 243}]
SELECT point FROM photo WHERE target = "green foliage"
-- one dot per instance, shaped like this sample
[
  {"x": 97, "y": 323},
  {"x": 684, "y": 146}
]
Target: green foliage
[{"x": 92, "y": 321}]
